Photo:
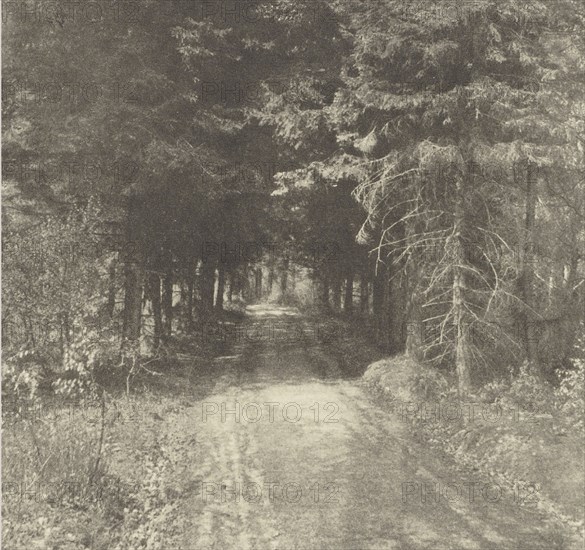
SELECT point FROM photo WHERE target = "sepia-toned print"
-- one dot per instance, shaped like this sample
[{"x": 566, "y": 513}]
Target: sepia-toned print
[{"x": 293, "y": 275}]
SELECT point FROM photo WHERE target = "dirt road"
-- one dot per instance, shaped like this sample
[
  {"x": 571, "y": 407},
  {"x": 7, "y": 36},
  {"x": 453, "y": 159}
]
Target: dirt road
[{"x": 292, "y": 453}]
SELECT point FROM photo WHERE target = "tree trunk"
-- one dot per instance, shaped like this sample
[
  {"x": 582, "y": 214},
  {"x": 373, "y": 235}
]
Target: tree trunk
[
  {"x": 232, "y": 277},
  {"x": 414, "y": 327},
  {"x": 133, "y": 284},
  {"x": 293, "y": 278},
  {"x": 167, "y": 305},
  {"x": 348, "y": 300},
  {"x": 111, "y": 289},
  {"x": 284, "y": 279},
  {"x": 190, "y": 297},
  {"x": 258, "y": 283},
  {"x": 364, "y": 294},
  {"x": 270, "y": 278},
  {"x": 378, "y": 290},
  {"x": 154, "y": 297},
  {"x": 379, "y": 300},
  {"x": 527, "y": 279},
  {"x": 220, "y": 288},
  {"x": 394, "y": 313},
  {"x": 324, "y": 291},
  {"x": 336, "y": 294},
  {"x": 65, "y": 339},
  {"x": 243, "y": 280},
  {"x": 460, "y": 321},
  {"x": 207, "y": 284}
]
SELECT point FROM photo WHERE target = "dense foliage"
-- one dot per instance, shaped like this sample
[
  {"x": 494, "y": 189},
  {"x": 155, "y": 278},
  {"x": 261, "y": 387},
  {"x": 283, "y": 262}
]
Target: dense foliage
[{"x": 421, "y": 166}]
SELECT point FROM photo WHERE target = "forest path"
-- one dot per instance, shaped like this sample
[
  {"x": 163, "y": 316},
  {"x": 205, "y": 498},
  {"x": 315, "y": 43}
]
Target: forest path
[{"x": 292, "y": 453}]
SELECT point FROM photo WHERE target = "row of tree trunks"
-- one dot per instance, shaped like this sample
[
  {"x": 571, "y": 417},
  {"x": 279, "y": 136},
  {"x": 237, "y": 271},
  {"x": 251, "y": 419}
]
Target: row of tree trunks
[
  {"x": 159, "y": 292},
  {"x": 385, "y": 294}
]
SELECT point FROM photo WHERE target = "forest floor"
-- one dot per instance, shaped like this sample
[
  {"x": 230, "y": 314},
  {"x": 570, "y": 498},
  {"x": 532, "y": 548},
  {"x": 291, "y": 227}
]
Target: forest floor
[{"x": 275, "y": 442}]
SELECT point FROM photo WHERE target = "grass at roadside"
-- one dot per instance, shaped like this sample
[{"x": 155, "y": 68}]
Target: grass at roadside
[{"x": 94, "y": 472}]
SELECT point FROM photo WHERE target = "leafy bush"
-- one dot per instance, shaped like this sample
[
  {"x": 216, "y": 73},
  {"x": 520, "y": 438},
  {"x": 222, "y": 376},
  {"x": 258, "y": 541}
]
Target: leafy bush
[
  {"x": 147, "y": 520},
  {"x": 429, "y": 384},
  {"x": 529, "y": 392},
  {"x": 494, "y": 391},
  {"x": 23, "y": 375}
]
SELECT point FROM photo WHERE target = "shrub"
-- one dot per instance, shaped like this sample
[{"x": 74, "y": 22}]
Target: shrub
[
  {"x": 494, "y": 391},
  {"x": 429, "y": 384},
  {"x": 570, "y": 395},
  {"x": 23, "y": 375},
  {"x": 529, "y": 392}
]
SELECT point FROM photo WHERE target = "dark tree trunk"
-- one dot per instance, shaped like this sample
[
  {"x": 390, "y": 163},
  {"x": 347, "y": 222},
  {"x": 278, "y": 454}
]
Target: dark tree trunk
[
  {"x": 393, "y": 325},
  {"x": 132, "y": 304},
  {"x": 232, "y": 277},
  {"x": 380, "y": 285},
  {"x": 293, "y": 278},
  {"x": 243, "y": 283},
  {"x": 65, "y": 338},
  {"x": 220, "y": 288},
  {"x": 270, "y": 278},
  {"x": 154, "y": 297},
  {"x": 324, "y": 291},
  {"x": 133, "y": 275},
  {"x": 414, "y": 325},
  {"x": 284, "y": 279},
  {"x": 336, "y": 293},
  {"x": 527, "y": 279},
  {"x": 385, "y": 314},
  {"x": 190, "y": 297},
  {"x": 364, "y": 294},
  {"x": 207, "y": 284},
  {"x": 460, "y": 320},
  {"x": 167, "y": 304},
  {"x": 258, "y": 283},
  {"x": 378, "y": 289},
  {"x": 111, "y": 289},
  {"x": 348, "y": 301}
]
